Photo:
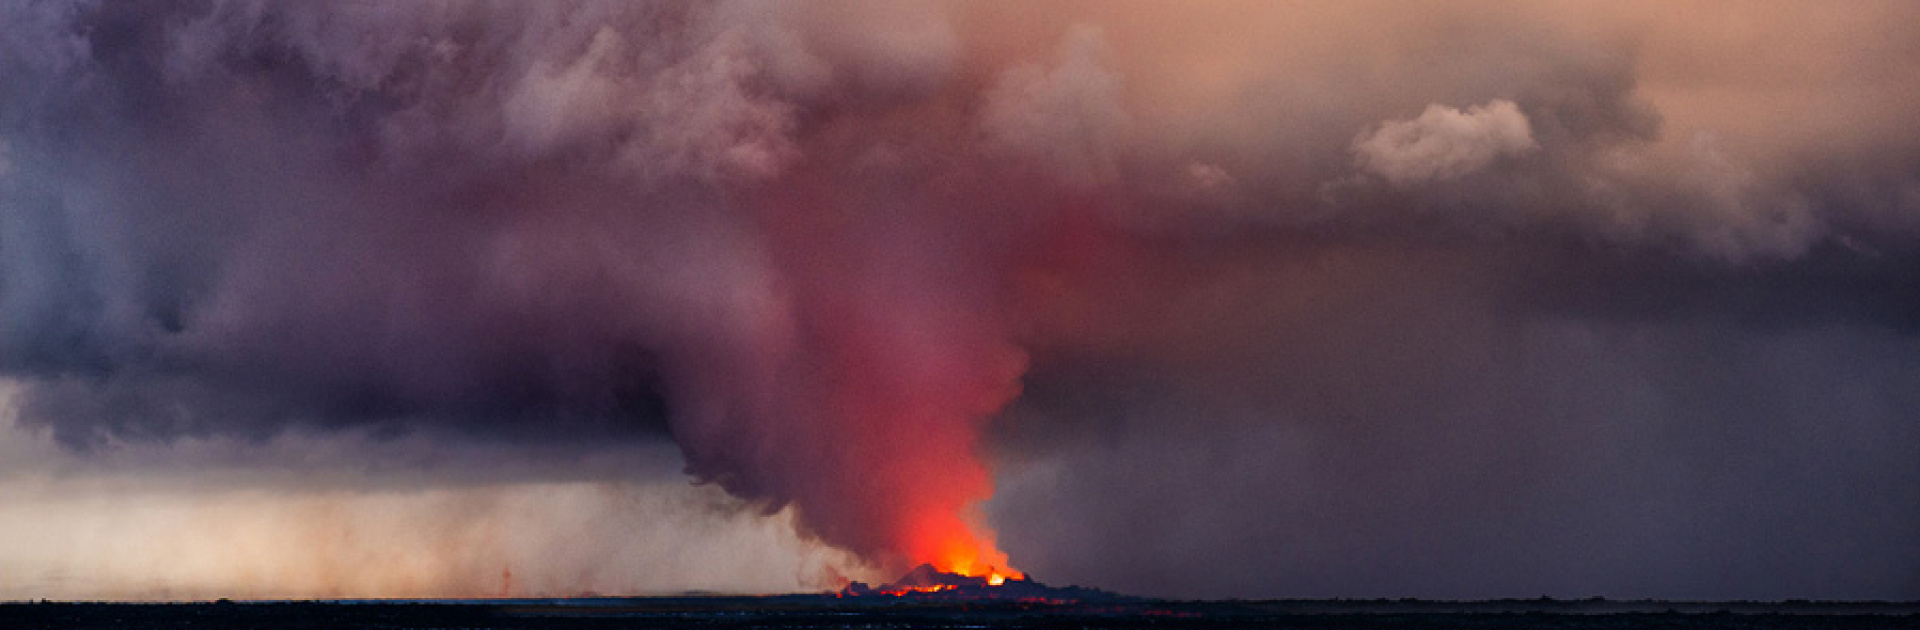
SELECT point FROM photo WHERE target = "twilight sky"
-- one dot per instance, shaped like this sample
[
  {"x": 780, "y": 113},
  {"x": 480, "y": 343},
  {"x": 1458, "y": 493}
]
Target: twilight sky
[{"x": 1214, "y": 299}]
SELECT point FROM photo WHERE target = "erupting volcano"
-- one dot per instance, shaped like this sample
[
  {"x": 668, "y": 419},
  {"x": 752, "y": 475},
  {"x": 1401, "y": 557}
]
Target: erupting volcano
[
  {"x": 927, "y": 582},
  {"x": 856, "y": 395}
]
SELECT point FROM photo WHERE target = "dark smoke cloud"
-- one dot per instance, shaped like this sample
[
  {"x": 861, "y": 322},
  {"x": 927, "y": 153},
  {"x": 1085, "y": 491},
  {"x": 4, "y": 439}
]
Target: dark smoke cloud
[
  {"x": 253, "y": 217},
  {"x": 1251, "y": 299}
]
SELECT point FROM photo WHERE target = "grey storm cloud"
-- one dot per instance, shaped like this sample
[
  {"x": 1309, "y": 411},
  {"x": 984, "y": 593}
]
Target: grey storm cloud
[{"x": 1255, "y": 299}]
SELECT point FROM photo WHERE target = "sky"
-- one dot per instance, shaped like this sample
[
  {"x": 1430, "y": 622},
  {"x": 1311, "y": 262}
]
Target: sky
[{"x": 1207, "y": 299}]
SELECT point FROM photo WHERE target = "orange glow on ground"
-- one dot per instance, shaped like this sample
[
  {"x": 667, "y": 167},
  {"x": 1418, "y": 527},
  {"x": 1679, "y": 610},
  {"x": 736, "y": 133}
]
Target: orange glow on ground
[
  {"x": 975, "y": 555},
  {"x": 959, "y": 543},
  {"x": 909, "y": 590}
]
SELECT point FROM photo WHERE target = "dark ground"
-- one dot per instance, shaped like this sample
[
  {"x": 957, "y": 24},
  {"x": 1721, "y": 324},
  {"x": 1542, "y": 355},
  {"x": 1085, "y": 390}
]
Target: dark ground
[{"x": 808, "y": 611}]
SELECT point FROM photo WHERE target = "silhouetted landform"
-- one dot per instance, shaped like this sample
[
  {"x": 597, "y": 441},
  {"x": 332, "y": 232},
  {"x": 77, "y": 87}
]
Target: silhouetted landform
[
  {"x": 925, "y": 583},
  {"x": 834, "y": 611}
]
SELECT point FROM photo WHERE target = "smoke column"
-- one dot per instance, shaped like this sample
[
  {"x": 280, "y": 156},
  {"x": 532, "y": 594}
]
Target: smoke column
[
  {"x": 1212, "y": 299},
  {"x": 537, "y": 222},
  {"x": 865, "y": 410}
]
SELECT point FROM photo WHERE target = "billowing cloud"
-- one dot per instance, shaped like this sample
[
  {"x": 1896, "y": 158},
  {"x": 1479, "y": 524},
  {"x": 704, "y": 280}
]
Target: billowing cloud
[
  {"x": 1345, "y": 299},
  {"x": 1443, "y": 143},
  {"x": 1067, "y": 118}
]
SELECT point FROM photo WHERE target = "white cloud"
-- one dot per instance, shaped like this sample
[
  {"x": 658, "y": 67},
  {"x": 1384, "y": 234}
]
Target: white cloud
[
  {"x": 296, "y": 516},
  {"x": 120, "y": 538},
  {"x": 1443, "y": 143}
]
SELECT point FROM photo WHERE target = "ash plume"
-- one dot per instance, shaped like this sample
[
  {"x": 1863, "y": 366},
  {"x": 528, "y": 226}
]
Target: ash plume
[
  {"x": 1308, "y": 289},
  {"x": 563, "y": 222}
]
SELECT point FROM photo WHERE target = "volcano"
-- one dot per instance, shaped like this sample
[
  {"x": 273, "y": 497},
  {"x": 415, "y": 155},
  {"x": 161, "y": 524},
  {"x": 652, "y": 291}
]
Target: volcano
[{"x": 925, "y": 582}]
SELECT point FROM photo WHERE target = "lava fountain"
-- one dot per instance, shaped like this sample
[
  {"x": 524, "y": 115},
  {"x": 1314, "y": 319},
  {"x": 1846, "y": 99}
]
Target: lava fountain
[{"x": 857, "y": 393}]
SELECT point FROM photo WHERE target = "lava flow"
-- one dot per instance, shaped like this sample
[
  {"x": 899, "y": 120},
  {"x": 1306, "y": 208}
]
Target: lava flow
[
  {"x": 927, "y": 582},
  {"x": 925, "y": 579}
]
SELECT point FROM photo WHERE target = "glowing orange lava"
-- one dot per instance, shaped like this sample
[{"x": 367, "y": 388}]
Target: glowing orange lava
[
  {"x": 909, "y": 590},
  {"x": 953, "y": 546}
]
